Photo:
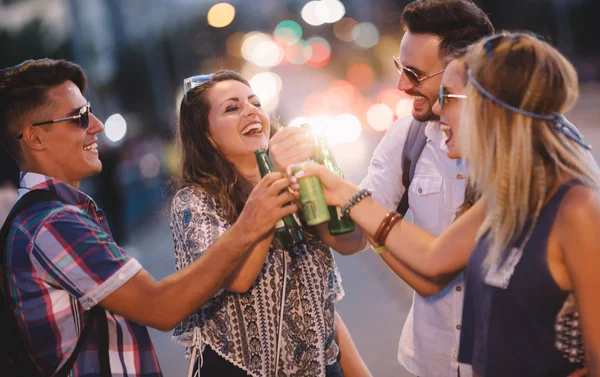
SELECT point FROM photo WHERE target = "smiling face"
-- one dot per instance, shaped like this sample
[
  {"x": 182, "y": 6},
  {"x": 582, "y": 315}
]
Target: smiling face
[
  {"x": 238, "y": 125},
  {"x": 420, "y": 54},
  {"x": 63, "y": 150},
  {"x": 453, "y": 82}
]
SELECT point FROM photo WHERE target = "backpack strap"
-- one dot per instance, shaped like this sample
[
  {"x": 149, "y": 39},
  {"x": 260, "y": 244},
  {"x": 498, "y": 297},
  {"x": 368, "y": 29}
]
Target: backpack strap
[
  {"x": 414, "y": 145},
  {"x": 95, "y": 315}
]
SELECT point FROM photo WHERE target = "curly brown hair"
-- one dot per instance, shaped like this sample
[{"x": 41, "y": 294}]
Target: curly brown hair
[{"x": 202, "y": 165}]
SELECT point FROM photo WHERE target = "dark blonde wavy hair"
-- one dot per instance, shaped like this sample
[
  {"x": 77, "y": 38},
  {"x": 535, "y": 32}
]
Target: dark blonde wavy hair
[
  {"x": 516, "y": 160},
  {"x": 202, "y": 165}
]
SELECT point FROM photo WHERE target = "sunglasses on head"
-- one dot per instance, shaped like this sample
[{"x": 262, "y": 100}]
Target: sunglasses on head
[
  {"x": 83, "y": 116},
  {"x": 443, "y": 96},
  {"x": 194, "y": 81},
  {"x": 412, "y": 76}
]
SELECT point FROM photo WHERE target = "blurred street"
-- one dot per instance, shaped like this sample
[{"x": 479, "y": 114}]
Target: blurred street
[{"x": 376, "y": 301}]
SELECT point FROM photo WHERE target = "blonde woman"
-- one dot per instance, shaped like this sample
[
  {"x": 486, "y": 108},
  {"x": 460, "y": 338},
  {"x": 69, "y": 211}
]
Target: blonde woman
[{"x": 531, "y": 245}]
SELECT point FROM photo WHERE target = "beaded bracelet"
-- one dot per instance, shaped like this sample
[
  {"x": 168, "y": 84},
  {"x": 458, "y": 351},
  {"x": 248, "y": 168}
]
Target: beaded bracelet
[{"x": 354, "y": 200}]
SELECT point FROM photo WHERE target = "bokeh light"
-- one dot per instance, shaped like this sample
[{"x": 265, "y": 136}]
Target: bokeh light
[
  {"x": 380, "y": 117},
  {"x": 320, "y": 52},
  {"x": 335, "y": 11},
  {"x": 115, "y": 128},
  {"x": 391, "y": 97},
  {"x": 149, "y": 166},
  {"x": 346, "y": 128},
  {"x": 365, "y": 35},
  {"x": 343, "y": 29},
  {"x": 297, "y": 122},
  {"x": 287, "y": 32},
  {"x": 298, "y": 53},
  {"x": 221, "y": 15},
  {"x": 261, "y": 49},
  {"x": 360, "y": 75},
  {"x": 314, "y": 12},
  {"x": 404, "y": 107},
  {"x": 267, "y": 85}
]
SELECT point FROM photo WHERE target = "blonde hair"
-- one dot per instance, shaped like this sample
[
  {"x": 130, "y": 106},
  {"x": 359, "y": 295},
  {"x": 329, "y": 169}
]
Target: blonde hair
[{"x": 515, "y": 159}]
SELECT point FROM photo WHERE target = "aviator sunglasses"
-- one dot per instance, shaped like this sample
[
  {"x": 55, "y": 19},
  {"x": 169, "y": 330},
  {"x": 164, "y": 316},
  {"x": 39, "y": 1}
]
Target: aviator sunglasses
[
  {"x": 412, "y": 76},
  {"x": 83, "y": 116}
]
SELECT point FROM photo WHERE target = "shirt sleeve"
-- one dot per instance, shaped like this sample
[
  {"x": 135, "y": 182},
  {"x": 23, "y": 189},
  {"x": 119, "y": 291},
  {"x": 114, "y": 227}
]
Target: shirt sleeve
[
  {"x": 73, "y": 251},
  {"x": 384, "y": 176},
  {"x": 195, "y": 225}
]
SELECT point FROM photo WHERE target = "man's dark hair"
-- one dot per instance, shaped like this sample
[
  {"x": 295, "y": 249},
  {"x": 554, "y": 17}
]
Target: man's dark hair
[
  {"x": 458, "y": 23},
  {"x": 23, "y": 89}
]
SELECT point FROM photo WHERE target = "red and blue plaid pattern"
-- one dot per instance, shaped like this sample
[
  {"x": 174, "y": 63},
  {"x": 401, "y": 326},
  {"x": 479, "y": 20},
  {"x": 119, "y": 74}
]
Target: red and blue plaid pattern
[{"x": 61, "y": 261}]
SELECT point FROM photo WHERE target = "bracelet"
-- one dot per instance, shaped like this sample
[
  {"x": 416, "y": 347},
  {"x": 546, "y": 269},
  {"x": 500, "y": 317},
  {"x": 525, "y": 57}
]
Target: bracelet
[
  {"x": 378, "y": 249},
  {"x": 386, "y": 231},
  {"x": 384, "y": 223},
  {"x": 354, "y": 200}
]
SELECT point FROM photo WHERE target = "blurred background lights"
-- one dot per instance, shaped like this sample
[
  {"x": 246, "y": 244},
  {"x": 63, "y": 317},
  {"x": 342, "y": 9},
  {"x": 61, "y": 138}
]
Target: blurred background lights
[
  {"x": 267, "y": 85},
  {"x": 221, "y": 15},
  {"x": 287, "y": 32},
  {"x": 365, "y": 35},
  {"x": 149, "y": 166},
  {"x": 346, "y": 128},
  {"x": 343, "y": 29},
  {"x": 320, "y": 52},
  {"x": 335, "y": 11},
  {"x": 404, "y": 107},
  {"x": 115, "y": 128},
  {"x": 314, "y": 12},
  {"x": 297, "y": 122},
  {"x": 298, "y": 53},
  {"x": 360, "y": 75},
  {"x": 380, "y": 117},
  {"x": 261, "y": 49}
]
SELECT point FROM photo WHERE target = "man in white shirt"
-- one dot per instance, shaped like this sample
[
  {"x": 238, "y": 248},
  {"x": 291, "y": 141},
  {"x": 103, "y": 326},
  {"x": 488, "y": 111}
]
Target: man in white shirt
[{"x": 434, "y": 31}]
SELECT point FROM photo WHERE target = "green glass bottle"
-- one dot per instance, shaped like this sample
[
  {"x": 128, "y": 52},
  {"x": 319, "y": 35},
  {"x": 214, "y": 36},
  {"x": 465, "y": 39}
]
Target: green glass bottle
[
  {"x": 288, "y": 230},
  {"x": 338, "y": 224}
]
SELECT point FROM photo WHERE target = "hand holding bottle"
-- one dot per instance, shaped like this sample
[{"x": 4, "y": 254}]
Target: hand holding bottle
[
  {"x": 290, "y": 145},
  {"x": 337, "y": 191}
]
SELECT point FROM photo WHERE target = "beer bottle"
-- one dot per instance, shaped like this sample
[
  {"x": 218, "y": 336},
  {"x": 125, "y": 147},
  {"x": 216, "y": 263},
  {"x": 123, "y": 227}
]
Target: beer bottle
[
  {"x": 338, "y": 224},
  {"x": 288, "y": 230}
]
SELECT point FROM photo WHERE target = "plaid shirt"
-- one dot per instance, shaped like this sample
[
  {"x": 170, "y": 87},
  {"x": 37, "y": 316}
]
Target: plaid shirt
[{"x": 61, "y": 262}]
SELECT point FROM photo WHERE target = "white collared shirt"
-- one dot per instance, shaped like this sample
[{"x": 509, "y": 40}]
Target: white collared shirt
[{"x": 431, "y": 333}]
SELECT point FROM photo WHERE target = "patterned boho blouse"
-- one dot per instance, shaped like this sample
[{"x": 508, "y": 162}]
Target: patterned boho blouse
[{"x": 243, "y": 327}]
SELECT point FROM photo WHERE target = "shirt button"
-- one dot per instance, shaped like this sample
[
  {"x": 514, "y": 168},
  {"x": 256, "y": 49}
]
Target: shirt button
[
  {"x": 458, "y": 288},
  {"x": 420, "y": 190},
  {"x": 100, "y": 218},
  {"x": 458, "y": 327},
  {"x": 121, "y": 276},
  {"x": 459, "y": 176}
]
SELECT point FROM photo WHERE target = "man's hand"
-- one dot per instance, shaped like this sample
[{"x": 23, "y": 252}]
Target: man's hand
[
  {"x": 264, "y": 206},
  {"x": 289, "y": 146}
]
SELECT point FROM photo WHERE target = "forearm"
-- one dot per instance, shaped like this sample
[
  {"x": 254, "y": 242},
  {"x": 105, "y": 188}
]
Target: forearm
[
  {"x": 433, "y": 258},
  {"x": 247, "y": 272},
  {"x": 346, "y": 244},
  {"x": 181, "y": 294},
  {"x": 423, "y": 286},
  {"x": 349, "y": 358}
]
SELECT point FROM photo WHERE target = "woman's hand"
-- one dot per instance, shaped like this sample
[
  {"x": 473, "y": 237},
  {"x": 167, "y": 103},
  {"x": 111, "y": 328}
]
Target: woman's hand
[
  {"x": 288, "y": 146},
  {"x": 337, "y": 191}
]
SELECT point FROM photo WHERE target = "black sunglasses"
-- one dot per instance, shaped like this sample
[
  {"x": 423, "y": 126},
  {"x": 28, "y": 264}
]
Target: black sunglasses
[
  {"x": 443, "y": 96},
  {"x": 83, "y": 117},
  {"x": 412, "y": 76}
]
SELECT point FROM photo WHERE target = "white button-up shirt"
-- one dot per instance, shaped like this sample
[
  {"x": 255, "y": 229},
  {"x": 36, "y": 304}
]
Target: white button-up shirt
[{"x": 429, "y": 341}]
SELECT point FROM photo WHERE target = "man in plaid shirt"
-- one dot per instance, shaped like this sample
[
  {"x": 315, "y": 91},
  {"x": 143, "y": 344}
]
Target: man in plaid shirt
[{"x": 60, "y": 258}]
